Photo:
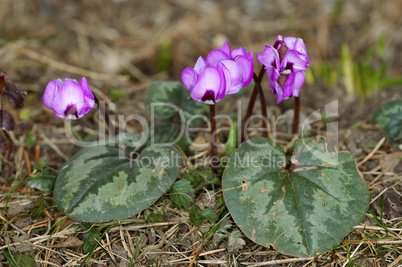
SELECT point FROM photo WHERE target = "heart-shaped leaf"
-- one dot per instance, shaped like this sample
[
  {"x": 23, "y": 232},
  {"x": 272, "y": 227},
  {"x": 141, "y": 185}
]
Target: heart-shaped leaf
[
  {"x": 300, "y": 208},
  {"x": 163, "y": 131},
  {"x": 389, "y": 118},
  {"x": 165, "y": 99},
  {"x": 107, "y": 181}
]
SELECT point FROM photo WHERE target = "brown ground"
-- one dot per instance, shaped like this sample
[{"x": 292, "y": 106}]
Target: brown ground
[{"x": 115, "y": 44}]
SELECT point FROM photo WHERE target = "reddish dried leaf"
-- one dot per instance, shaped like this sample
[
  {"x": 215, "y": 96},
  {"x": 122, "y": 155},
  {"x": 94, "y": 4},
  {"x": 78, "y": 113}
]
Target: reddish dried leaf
[
  {"x": 6, "y": 121},
  {"x": 14, "y": 95},
  {"x": 3, "y": 83},
  {"x": 3, "y": 80}
]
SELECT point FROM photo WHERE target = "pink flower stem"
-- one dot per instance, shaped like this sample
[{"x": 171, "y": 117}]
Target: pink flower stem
[
  {"x": 257, "y": 89},
  {"x": 213, "y": 129},
  {"x": 296, "y": 115},
  {"x": 213, "y": 140},
  {"x": 263, "y": 108}
]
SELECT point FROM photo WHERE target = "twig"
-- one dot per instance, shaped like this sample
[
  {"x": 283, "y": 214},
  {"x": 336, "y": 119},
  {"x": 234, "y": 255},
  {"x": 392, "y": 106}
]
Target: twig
[
  {"x": 145, "y": 225},
  {"x": 382, "y": 192},
  {"x": 278, "y": 261},
  {"x": 376, "y": 228},
  {"x": 200, "y": 255},
  {"x": 372, "y": 152},
  {"x": 398, "y": 260},
  {"x": 12, "y": 225},
  {"x": 27, "y": 161},
  {"x": 66, "y": 67},
  {"x": 123, "y": 242},
  {"x": 353, "y": 254},
  {"x": 112, "y": 258},
  {"x": 53, "y": 146}
]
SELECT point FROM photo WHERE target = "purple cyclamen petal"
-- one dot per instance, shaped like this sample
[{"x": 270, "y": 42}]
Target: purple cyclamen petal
[
  {"x": 200, "y": 65},
  {"x": 294, "y": 58},
  {"x": 273, "y": 76},
  {"x": 50, "y": 94},
  {"x": 269, "y": 58},
  {"x": 298, "y": 82},
  {"x": 298, "y": 45},
  {"x": 278, "y": 92},
  {"x": 233, "y": 72},
  {"x": 209, "y": 86},
  {"x": 70, "y": 95},
  {"x": 247, "y": 66},
  {"x": 238, "y": 52},
  {"x": 279, "y": 38},
  {"x": 291, "y": 42},
  {"x": 288, "y": 86},
  {"x": 226, "y": 48},
  {"x": 188, "y": 77},
  {"x": 216, "y": 56},
  {"x": 225, "y": 81},
  {"x": 88, "y": 105},
  {"x": 86, "y": 89}
]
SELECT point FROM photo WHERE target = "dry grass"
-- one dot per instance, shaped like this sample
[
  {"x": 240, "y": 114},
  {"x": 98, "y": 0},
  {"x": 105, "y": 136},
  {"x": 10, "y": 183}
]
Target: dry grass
[{"x": 116, "y": 44}]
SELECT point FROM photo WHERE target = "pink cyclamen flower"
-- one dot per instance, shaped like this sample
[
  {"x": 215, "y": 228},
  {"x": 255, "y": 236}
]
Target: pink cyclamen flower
[
  {"x": 222, "y": 72},
  {"x": 69, "y": 99},
  {"x": 285, "y": 63}
]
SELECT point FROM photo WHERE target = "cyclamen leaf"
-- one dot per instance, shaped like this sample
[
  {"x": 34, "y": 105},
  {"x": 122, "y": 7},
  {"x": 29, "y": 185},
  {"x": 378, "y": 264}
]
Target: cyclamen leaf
[
  {"x": 105, "y": 182},
  {"x": 165, "y": 99},
  {"x": 389, "y": 118},
  {"x": 301, "y": 210}
]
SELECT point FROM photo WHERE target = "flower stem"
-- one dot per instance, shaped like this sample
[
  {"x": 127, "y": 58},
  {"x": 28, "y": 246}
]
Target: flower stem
[
  {"x": 253, "y": 96},
  {"x": 296, "y": 115},
  {"x": 213, "y": 137},
  {"x": 263, "y": 111}
]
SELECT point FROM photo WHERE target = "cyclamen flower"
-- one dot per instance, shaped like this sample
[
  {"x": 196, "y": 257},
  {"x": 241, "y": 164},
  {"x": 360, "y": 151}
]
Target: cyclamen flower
[
  {"x": 69, "y": 99},
  {"x": 222, "y": 72},
  {"x": 285, "y": 63}
]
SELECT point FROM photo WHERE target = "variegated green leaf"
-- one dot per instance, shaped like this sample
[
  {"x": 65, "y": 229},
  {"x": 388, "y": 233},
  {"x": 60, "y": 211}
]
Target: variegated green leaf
[
  {"x": 111, "y": 180},
  {"x": 389, "y": 118},
  {"x": 165, "y": 99},
  {"x": 301, "y": 207}
]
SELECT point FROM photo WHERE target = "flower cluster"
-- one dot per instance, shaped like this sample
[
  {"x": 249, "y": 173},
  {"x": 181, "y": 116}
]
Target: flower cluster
[
  {"x": 69, "y": 99},
  {"x": 226, "y": 72},
  {"x": 285, "y": 63},
  {"x": 222, "y": 72}
]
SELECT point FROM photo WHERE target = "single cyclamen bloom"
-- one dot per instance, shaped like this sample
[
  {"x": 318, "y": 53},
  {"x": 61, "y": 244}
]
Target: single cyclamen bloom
[
  {"x": 285, "y": 63},
  {"x": 222, "y": 72},
  {"x": 69, "y": 99}
]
